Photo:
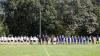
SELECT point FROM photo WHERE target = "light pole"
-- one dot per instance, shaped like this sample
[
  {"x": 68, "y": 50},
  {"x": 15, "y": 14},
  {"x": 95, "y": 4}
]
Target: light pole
[
  {"x": 40, "y": 24},
  {"x": 39, "y": 5},
  {"x": 40, "y": 21}
]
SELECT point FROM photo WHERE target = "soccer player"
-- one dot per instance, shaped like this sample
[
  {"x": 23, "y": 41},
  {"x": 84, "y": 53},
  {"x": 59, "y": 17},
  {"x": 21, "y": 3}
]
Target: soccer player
[
  {"x": 43, "y": 39},
  {"x": 65, "y": 40},
  {"x": 97, "y": 40},
  {"x": 39, "y": 39},
  {"x": 84, "y": 40},
  {"x": 31, "y": 40},
  {"x": 87, "y": 39},
  {"x": 69, "y": 40},
  {"x": 57, "y": 39},
  {"x": 5, "y": 39},
  {"x": 62, "y": 39},
  {"x": 27, "y": 39},
  {"x": 78, "y": 40},
  {"x": 21, "y": 39},
  {"x": 94, "y": 40},
  {"x": 1, "y": 40},
  {"x": 24, "y": 39},
  {"x": 74, "y": 39},
  {"x": 12, "y": 39},
  {"x": 52, "y": 39},
  {"x": 46, "y": 38},
  {"x": 35, "y": 40},
  {"x": 90, "y": 39}
]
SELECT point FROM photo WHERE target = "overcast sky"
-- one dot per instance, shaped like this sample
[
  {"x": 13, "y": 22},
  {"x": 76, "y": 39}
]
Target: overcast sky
[{"x": 2, "y": 0}]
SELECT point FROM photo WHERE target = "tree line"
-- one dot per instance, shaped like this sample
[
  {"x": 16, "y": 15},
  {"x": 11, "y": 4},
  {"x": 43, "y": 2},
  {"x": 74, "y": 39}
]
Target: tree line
[{"x": 69, "y": 17}]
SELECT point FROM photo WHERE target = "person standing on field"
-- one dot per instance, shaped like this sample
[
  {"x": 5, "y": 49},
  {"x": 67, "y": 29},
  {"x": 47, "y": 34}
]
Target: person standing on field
[
  {"x": 69, "y": 40},
  {"x": 84, "y": 40},
  {"x": 97, "y": 40},
  {"x": 39, "y": 39},
  {"x": 74, "y": 39},
  {"x": 94, "y": 40},
  {"x": 46, "y": 38},
  {"x": 78, "y": 40},
  {"x": 52, "y": 39},
  {"x": 90, "y": 39}
]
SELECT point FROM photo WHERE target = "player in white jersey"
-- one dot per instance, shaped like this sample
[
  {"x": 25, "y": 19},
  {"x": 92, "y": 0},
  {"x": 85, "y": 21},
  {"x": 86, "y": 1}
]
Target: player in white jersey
[
  {"x": 54, "y": 40},
  {"x": 2, "y": 38},
  {"x": 21, "y": 39},
  {"x": 12, "y": 39},
  {"x": 9, "y": 39},
  {"x": 5, "y": 39},
  {"x": 35, "y": 40},
  {"x": 99, "y": 39},
  {"x": 27, "y": 38},
  {"x": 16, "y": 39}
]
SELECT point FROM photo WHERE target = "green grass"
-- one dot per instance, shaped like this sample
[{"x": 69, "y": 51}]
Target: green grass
[{"x": 49, "y": 50}]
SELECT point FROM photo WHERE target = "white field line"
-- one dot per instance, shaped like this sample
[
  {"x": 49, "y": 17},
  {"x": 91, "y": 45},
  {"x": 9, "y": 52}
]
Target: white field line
[{"x": 46, "y": 51}]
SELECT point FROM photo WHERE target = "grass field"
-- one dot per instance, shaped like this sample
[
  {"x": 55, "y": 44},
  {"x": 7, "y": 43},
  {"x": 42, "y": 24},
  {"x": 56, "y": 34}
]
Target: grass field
[{"x": 49, "y": 50}]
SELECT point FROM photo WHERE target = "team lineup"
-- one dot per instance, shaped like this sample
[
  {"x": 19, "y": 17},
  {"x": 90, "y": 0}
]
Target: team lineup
[{"x": 45, "y": 39}]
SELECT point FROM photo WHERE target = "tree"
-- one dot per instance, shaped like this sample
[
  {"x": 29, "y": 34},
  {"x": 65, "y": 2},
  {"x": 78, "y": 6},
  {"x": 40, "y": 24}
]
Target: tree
[
  {"x": 57, "y": 16},
  {"x": 3, "y": 26},
  {"x": 52, "y": 24},
  {"x": 97, "y": 12},
  {"x": 20, "y": 17},
  {"x": 85, "y": 17}
]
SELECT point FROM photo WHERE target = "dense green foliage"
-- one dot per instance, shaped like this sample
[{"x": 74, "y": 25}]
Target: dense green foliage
[
  {"x": 3, "y": 26},
  {"x": 74, "y": 17}
]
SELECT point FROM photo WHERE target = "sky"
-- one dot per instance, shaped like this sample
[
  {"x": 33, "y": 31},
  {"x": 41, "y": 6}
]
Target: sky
[{"x": 2, "y": 0}]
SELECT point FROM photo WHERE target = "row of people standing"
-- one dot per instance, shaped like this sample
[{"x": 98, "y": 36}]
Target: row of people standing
[
  {"x": 46, "y": 39},
  {"x": 61, "y": 39},
  {"x": 83, "y": 40}
]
